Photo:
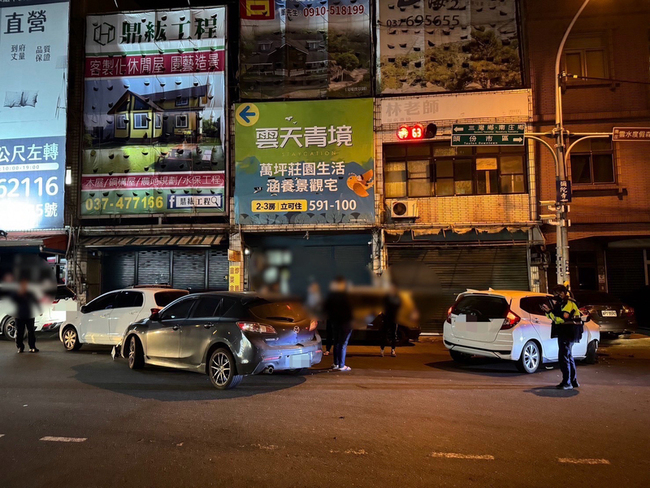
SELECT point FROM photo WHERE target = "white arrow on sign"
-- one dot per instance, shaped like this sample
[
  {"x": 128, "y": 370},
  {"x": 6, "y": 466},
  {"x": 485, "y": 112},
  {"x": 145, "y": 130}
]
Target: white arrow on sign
[
  {"x": 517, "y": 139},
  {"x": 459, "y": 129}
]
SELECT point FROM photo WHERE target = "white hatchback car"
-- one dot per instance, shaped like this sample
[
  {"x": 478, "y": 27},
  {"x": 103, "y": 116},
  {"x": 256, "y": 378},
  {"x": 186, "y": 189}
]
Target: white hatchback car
[
  {"x": 509, "y": 325},
  {"x": 103, "y": 320}
]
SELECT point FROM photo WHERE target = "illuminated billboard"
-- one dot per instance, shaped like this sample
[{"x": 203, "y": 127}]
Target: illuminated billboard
[
  {"x": 33, "y": 88},
  {"x": 154, "y": 113}
]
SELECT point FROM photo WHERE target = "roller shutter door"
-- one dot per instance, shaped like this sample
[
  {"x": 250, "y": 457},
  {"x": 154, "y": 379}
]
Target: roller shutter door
[
  {"x": 118, "y": 270},
  {"x": 189, "y": 270},
  {"x": 153, "y": 267},
  {"x": 438, "y": 275},
  {"x": 218, "y": 270}
]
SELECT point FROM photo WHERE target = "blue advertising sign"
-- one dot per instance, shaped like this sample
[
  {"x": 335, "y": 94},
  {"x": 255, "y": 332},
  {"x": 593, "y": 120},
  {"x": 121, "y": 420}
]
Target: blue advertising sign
[{"x": 33, "y": 89}]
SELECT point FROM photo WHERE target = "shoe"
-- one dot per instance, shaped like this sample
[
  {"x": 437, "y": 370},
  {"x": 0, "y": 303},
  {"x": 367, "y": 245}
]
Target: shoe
[
  {"x": 335, "y": 367},
  {"x": 575, "y": 384},
  {"x": 393, "y": 353},
  {"x": 33, "y": 350},
  {"x": 326, "y": 353},
  {"x": 564, "y": 386},
  {"x": 20, "y": 351},
  {"x": 345, "y": 368},
  {"x": 381, "y": 353}
]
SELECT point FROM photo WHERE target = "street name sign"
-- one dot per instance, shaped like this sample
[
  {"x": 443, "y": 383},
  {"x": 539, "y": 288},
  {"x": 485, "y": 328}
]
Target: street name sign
[
  {"x": 631, "y": 134},
  {"x": 489, "y": 129},
  {"x": 488, "y": 134}
]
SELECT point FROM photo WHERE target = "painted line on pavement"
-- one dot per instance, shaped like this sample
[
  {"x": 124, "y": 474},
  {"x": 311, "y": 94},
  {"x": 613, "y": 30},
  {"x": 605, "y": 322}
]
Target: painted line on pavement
[
  {"x": 455, "y": 455},
  {"x": 48, "y": 438},
  {"x": 582, "y": 461},
  {"x": 2, "y": 435}
]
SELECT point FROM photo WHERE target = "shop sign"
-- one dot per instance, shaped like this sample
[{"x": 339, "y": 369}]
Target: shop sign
[
  {"x": 305, "y": 163},
  {"x": 154, "y": 113},
  {"x": 33, "y": 100}
]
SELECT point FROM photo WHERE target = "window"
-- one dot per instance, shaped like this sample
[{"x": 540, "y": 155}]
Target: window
[
  {"x": 164, "y": 298},
  {"x": 533, "y": 305},
  {"x": 182, "y": 101},
  {"x": 120, "y": 122},
  {"x": 103, "y": 302},
  {"x": 178, "y": 311},
  {"x": 129, "y": 299},
  {"x": 592, "y": 162},
  {"x": 437, "y": 169},
  {"x": 158, "y": 121},
  {"x": 63, "y": 292},
  {"x": 586, "y": 55},
  {"x": 140, "y": 121},
  {"x": 181, "y": 121},
  {"x": 482, "y": 306},
  {"x": 206, "y": 307}
]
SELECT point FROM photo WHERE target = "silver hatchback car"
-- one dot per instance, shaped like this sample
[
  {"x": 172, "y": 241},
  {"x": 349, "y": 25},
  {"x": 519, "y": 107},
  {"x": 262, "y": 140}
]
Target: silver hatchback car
[{"x": 226, "y": 336}]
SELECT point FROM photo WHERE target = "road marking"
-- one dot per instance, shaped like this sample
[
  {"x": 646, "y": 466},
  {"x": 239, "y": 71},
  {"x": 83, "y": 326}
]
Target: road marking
[
  {"x": 2, "y": 435},
  {"x": 48, "y": 438},
  {"x": 455, "y": 455},
  {"x": 582, "y": 461}
]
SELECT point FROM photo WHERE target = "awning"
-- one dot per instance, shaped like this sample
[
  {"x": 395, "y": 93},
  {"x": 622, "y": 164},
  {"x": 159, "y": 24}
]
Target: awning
[
  {"x": 48, "y": 243},
  {"x": 153, "y": 241}
]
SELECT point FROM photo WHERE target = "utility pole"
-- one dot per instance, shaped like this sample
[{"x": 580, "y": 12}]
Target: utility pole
[{"x": 562, "y": 232}]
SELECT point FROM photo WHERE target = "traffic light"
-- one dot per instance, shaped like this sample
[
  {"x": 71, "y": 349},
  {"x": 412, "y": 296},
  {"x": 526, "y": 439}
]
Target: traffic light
[{"x": 416, "y": 132}]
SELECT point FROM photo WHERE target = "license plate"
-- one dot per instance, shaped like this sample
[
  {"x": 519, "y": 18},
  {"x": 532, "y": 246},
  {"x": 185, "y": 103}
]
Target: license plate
[
  {"x": 299, "y": 361},
  {"x": 608, "y": 313}
]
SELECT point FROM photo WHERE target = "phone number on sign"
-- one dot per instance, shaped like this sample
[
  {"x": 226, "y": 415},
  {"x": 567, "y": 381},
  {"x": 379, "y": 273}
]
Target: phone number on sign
[
  {"x": 427, "y": 20},
  {"x": 334, "y": 10},
  {"x": 125, "y": 203},
  {"x": 344, "y": 205}
]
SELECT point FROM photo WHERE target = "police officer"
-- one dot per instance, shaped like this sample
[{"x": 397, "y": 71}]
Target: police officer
[{"x": 568, "y": 330}]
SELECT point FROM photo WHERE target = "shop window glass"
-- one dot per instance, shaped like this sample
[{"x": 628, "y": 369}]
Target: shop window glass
[{"x": 395, "y": 180}]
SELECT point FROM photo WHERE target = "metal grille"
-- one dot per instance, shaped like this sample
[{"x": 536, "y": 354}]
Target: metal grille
[
  {"x": 188, "y": 271},
  {"x": 218, "y": 269},
  {"x": 118, "y": 270},
  {"x": 153, "y": 267}
]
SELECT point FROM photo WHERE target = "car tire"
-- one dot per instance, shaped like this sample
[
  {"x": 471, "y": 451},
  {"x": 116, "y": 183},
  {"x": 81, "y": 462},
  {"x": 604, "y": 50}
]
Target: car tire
[
  {"x": 222, "y": 370},
  {"x": 460, "y": 357},
  {"x": 592, "y": 352},
  {"x": 531, "y": 358},
  {"x": 70, "y": 338},
  {"x": 9, "y": 329},
  {"x": 136, "y": 354}
]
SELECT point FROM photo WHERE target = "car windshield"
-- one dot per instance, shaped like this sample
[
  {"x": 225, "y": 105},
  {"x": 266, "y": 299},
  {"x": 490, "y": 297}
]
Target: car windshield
[
  {"x": 281, "y": 311},
  {"x": 596, "y": 298},
  {"x": 483, "y": 306},
  {"x": 164, "y": 298}
]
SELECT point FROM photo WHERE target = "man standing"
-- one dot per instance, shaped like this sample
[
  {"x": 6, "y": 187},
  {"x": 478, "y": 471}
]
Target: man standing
[
  {"x": 25, "y": 301},
  {"x": 567, "y": 327},
  {"x": 339, "y": 314},
  {"x": 392, "y": 304}
]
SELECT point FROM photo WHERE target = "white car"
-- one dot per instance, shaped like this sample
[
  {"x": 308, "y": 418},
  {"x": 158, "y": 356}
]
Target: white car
[
  {"x": 103, "y": 320},
  {"x": 54, "y": 311},
  {"x": 509, "y": 325}
]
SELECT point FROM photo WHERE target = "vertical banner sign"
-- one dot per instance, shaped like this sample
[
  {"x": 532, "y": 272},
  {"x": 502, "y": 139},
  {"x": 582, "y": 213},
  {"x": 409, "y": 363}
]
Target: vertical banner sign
[
  {"x": 304, "y": 162},
  {"x": 448, "y": 45},
  {"x": 154, "y": 113},
  {"x": 305, "y": 49},
  {"x": 33, "y": 89}
]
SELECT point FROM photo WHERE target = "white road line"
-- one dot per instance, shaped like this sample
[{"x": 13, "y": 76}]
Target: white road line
[
  {"x": 48, "y": 438},
  {"x": 455, "y": 455},
  {"x": 2, "y": 435},
  {"x": 582, "y": 461}
]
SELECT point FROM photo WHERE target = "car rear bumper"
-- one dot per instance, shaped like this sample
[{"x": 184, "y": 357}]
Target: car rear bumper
[
  {"x": 282, "y": 358},
  {"x": 479, "y": 351}
]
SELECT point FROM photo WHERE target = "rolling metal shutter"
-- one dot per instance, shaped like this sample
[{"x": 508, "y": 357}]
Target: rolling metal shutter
[
  {"x": 218, "y": 270},
  {"x": 153, "y": 267},
  {"x": 438, "y": 275},
  {"x": 118, "y": 270},
  {"x": 188, "y": 271}
]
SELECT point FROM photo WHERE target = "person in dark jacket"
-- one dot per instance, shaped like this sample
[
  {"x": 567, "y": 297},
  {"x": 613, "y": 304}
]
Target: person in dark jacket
[
  {"x": 566, "y": 319},
  {"x": 392, "y": 304},
  {"x": 25, "y": 301},
  {"x": 339, "y": 314}
]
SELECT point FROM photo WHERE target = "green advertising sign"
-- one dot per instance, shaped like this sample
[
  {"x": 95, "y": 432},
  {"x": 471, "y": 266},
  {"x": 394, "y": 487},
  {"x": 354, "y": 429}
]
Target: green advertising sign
[{"x": 304, "y": 162}]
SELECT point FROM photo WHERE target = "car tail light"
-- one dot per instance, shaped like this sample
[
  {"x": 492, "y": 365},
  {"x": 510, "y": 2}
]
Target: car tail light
[
  {"x": 255, "y": 327},
  {"x": 449, "y": 314},
  {"x": 627, "y": 311},
  {"x": 54, "y": 302},
  {"x": 510, "y": 321}
]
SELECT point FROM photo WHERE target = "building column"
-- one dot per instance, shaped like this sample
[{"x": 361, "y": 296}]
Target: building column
[{"x": 236, "y": 267}]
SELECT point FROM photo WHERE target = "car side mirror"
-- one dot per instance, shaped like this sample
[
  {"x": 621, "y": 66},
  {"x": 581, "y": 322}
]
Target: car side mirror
[
  {"x": 155, "y": 315},
  {"x": 83, "y": 308}
]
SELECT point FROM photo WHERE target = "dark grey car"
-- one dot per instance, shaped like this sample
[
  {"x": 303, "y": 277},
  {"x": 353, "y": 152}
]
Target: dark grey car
[
  {"x": 610, "y": 313},
  {"x": 226, "y": 336}
]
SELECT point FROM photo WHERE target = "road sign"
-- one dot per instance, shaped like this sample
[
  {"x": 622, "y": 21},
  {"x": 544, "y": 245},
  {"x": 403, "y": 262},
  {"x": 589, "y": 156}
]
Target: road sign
[
  {"x": 489, "y": 129},
  {"x": 487, "y": 140},
  {"x": 247, "y": 114},
  {"x": 638, "y": 134},
  {"x": 563, "y": 188}
]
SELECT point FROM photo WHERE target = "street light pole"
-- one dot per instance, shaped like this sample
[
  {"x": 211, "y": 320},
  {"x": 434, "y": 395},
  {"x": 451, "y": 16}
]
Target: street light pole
[{"x": 562, "y": 232}]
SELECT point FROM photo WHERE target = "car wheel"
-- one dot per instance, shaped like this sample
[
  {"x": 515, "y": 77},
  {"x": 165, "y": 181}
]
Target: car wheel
[
  {"x": 70, "y": 339},
  {"x": 531, "y": 358},
  {"x": 9, "y": 329},
  {"x": 136, "y": 354},
  {"x": 592, "y": 353},
  {"x": 222, "y": 370},
  {"x": 459, "y": 357}
]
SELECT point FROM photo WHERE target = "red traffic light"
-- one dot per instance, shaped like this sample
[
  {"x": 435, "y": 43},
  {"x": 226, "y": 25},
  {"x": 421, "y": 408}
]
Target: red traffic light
[{"x": 410, "y": 132}]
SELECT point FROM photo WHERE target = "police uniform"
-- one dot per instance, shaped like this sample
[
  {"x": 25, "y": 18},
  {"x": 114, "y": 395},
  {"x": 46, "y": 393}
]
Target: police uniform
[{"x": 568, "y": 331}]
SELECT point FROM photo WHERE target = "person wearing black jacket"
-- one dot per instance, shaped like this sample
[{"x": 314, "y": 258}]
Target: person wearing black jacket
[
  {"x": 392, "y": 304},
  {"x": 25, "y": 301},
  {"x": 339, "y": 314}
]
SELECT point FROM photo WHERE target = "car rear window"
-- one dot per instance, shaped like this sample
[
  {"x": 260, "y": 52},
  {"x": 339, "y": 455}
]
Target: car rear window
[
  {"x": 482, "y": 306},
  {"x": 164, "y": 298},
  {"x": 63, "y": 292},
  {"x": 279, "y": 311}
]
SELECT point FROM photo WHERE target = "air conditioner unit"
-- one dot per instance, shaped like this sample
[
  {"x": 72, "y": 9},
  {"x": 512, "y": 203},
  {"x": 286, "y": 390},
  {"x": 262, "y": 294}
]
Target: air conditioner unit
[{"x": 403, "y": 209}]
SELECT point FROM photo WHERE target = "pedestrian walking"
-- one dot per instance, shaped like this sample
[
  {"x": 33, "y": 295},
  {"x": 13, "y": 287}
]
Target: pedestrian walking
[
  {"x": 567, "y": 327},
  {"x": 339, "y": 314},
  {"x": 392, "y": 304},
  {"x": 25, "y": 302}
]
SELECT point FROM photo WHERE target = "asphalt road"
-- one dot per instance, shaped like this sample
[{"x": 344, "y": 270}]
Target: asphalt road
[{"x": 418, "y": 420}]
